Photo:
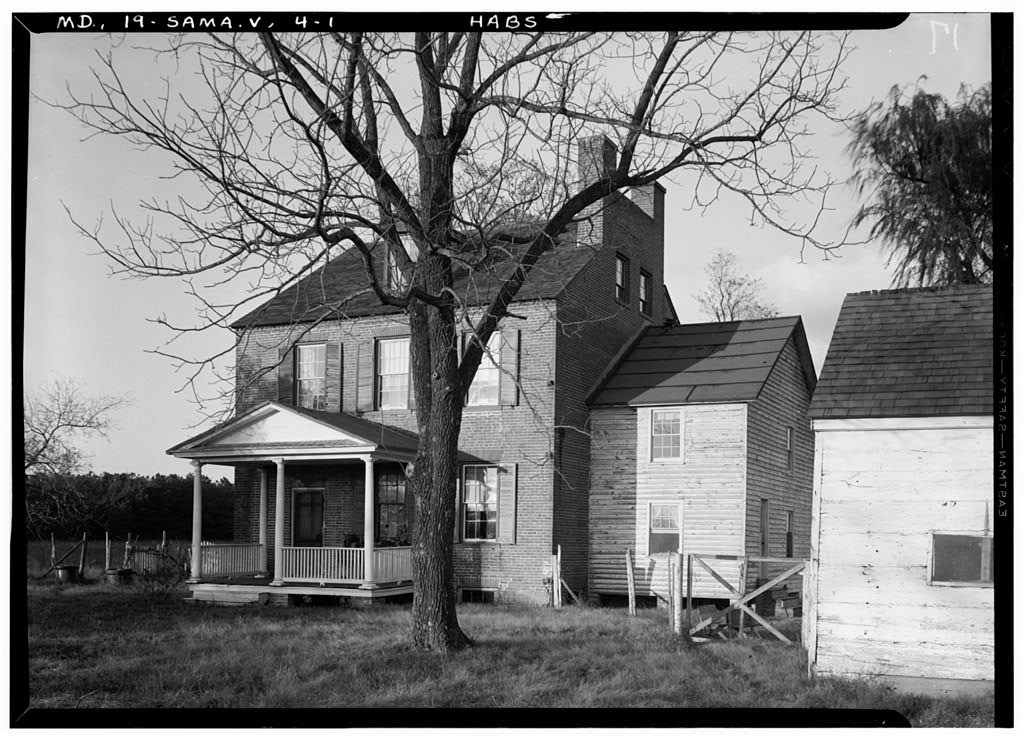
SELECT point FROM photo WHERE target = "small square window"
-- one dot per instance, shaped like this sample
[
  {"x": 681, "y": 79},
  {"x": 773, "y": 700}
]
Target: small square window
[
  {"x": 962, "y": 559},
  {"x": 477, "y": 596}
]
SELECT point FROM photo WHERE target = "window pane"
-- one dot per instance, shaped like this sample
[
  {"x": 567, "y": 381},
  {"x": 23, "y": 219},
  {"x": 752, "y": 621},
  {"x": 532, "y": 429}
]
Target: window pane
[
  {"x": 393, "y": 373},
  {"x": 484, "y": 389},
  {"x": 481, "y": 503},
  {"x": 665, "y": 517},
  {"x": 310, "y": 373},
  {"x": 666, "y": 439},
  {"x": 959, "y": 558}
]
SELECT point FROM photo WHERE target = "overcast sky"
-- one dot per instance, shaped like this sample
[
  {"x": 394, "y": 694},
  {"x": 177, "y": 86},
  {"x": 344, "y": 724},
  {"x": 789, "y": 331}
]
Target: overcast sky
[{"x": 82, "y": 323}]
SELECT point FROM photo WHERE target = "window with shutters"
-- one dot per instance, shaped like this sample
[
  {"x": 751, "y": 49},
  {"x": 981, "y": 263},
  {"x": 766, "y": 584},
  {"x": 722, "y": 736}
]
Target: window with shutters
[
  {"x": 666, "y": 434},
  {"x": 483, "y": 392},
  {"x": 393, "y": 373},
  {"x": 622, "y": 278},
  {"x": 480, "y": 503},
  {"x": 311, "y": 376},
  {"x": 961, "y": 559}
]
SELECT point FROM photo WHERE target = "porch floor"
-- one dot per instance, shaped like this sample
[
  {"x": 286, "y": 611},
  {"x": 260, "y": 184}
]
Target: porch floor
[{"x": 250, "y": 589}]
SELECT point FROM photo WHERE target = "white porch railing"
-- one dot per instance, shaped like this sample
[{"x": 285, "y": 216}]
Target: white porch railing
[
  {"x": 393, "y": 564},
  {"x": 344, "y": 565},
  {"x": 230, "y": 559}
]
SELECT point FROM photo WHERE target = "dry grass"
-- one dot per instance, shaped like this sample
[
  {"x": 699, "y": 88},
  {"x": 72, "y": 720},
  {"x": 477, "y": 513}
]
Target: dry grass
[{"x": 103, "y": 646}]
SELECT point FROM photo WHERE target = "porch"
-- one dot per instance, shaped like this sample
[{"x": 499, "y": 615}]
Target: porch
[{"x": 313, "y": 471}]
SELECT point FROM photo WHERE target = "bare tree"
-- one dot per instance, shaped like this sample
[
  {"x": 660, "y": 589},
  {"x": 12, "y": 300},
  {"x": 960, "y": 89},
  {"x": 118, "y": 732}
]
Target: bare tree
[
  {"x": 731, "y": 295},
  {"x": 430, "y": 152},
  {"x": 54, "y": 421}
]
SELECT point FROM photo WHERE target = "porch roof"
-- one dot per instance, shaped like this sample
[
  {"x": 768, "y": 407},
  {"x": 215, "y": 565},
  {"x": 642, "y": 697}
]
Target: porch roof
[{"x": 275, "y": 430}]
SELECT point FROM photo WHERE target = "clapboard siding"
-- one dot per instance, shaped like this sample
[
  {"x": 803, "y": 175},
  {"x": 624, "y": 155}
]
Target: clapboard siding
[
  {"x": 881, "y": 495},
  {"x": 709, "y": 484},
  {"x": 782, "y": 403}
]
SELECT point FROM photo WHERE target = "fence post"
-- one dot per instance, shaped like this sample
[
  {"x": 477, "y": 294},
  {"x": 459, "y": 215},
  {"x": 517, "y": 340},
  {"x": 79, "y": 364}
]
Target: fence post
[
  {"x": 106, "y": 535},
  {"x": 81, "y": 558},
  {"x": 671, "y": 591},
  {"x": 743, "y": 590},
  {"x": 631, "y": 584},
  {"x": 677, "y": 584},
  {"x": 689, "y": 589},
  {"x": 558, "y": 578}
]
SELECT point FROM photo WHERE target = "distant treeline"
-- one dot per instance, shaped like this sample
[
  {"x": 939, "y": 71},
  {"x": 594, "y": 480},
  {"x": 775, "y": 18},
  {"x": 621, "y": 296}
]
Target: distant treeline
[{"x": 145, "y": 506}]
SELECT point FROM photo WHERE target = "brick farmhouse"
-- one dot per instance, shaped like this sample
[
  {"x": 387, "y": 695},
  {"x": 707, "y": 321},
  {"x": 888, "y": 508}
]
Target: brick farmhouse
[{"x": 325, "y": 420}]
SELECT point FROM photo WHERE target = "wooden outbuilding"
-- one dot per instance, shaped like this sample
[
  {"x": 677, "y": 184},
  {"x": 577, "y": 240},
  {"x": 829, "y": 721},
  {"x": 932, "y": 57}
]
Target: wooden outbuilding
[
  {"x": 900, "y": 582},
  {"x": 701, "y": 444}
]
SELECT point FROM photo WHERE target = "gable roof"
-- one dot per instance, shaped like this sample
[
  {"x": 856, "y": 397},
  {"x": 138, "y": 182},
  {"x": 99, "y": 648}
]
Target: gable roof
[
  {"x": 340, "y": 288},
  {"x": 702, "y": 362},
  {"x": 909, "y": 353}
]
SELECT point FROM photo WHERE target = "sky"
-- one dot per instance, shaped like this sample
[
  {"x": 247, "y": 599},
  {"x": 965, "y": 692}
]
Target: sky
[{"x": 83, "y": 323}]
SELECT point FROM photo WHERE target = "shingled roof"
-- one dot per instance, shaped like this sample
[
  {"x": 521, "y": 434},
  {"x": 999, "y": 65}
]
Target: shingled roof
[
  {"x": 909, "y": 353},
  {"x": 340, "y": 288},
  {"x": 702, "y": 362}
]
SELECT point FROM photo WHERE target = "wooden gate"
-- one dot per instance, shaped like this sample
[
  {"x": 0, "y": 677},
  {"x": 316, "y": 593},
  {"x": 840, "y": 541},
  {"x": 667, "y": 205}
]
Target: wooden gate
[{"x": 739, "y": 603}]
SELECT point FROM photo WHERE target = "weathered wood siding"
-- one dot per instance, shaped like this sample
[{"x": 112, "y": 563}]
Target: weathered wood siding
[
  {"x": 709, "y": 484},
  {"x": 881, "y": 495},
  {"x": 782, "y": 403}
]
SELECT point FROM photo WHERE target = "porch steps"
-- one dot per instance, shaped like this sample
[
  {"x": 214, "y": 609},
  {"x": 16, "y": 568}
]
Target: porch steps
[{"x": 225, "y": 596}]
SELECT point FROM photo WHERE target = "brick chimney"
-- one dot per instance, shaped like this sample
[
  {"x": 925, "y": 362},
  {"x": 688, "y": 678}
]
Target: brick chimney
[{"x": 596, "y": 158}]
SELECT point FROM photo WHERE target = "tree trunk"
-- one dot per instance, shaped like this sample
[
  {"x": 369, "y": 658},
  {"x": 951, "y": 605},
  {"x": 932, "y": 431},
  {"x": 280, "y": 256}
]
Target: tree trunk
[{"x": 438, "y": 392}]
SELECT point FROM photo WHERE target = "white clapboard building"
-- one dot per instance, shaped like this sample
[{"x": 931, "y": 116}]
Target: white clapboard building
[{"x": 900, "y": 581}]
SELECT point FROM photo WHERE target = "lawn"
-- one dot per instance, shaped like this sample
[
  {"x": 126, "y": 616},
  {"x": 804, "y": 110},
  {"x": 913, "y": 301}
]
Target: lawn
[{"x": 104, "y": 646}]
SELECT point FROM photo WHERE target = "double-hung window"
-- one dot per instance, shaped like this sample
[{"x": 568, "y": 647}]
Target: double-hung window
[
  {"x": 390, "y": 498},
  {"x": 664, "y": 529},
  {"x": 483, "y": 392},
  {"x": 666, "y": 434},
  {"x": 480, "y": 505},
  {"x": 311, "y": 376},
  {"x": 393, "y": 373},
  {"x": 645, "y": 292},
  {"x": 622, "y": 279}
]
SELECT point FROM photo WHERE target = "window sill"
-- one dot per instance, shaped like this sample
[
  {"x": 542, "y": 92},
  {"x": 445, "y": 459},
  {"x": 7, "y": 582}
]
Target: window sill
[
  {"x": 669, "y": 461},
  {"x": 623, "y": 303},
  {"x": 478, "y": 542}
]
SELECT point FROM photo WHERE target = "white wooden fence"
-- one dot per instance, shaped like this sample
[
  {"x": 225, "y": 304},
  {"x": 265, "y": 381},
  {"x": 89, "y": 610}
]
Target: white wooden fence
[
  {"x": 230, "y": 559},
  {"x": 344, "y": 565}
]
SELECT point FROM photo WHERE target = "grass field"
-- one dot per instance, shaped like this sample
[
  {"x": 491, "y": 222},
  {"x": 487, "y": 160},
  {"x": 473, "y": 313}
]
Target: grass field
[{"x": 104, "y": 646}]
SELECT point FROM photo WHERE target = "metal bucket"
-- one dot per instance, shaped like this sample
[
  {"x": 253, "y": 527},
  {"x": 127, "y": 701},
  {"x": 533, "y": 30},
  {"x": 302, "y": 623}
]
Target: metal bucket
[
  {"x": 120, "y": 576},
  {"x": 67, "y": 574}
]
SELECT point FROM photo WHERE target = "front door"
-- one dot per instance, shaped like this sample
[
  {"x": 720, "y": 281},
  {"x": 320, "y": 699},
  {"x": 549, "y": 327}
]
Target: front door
[{"x": 308, "y": 520}]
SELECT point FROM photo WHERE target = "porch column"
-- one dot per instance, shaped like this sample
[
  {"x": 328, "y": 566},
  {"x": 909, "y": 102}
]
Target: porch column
[
  {"x": 197, "y": 522},
  {"x": 369, "y": 577},
  {"x": 263, "y": 524},
  {"x": 279, "y": 526}
]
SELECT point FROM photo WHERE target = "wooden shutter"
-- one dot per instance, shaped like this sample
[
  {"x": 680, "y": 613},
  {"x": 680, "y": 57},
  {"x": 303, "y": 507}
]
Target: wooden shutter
[
  {"x": 508, "y": 381},
  {"x": 286, "y": 376},
  {"x": 333, "y": 376},
  {"x": 458, "y": 505},
  {"x": 507, "y": 504},
  {"x": 365, "y": 379}
]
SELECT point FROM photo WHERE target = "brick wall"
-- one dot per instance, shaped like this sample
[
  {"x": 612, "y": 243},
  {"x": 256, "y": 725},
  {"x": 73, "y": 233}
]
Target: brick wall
[
  {"x": 593, "y": 326},
  {"x": 521, "y": 435}
]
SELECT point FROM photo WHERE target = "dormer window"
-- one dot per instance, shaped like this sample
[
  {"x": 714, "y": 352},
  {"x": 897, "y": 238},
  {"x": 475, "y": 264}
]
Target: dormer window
[
  {"x": 311, "y": 376},
  {"x": 622, "y": 278}
]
